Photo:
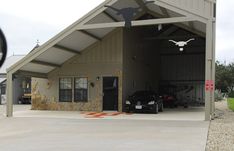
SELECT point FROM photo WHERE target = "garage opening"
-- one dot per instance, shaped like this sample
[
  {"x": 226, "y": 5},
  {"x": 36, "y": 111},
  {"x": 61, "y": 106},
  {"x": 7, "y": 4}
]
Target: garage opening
[{"x": 153, "y": 61}]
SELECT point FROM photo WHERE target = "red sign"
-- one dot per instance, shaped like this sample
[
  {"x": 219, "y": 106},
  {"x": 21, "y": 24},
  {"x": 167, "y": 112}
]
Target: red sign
[{"x": 209, "y": 85}]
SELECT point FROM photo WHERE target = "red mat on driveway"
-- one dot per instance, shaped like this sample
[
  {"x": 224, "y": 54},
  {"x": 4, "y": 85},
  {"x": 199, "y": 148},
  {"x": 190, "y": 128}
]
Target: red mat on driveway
[{"x": 102, "y": 114}]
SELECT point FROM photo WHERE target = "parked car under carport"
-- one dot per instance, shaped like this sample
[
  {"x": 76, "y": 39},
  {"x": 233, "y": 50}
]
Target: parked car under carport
[{"x": 144, "y": 101}]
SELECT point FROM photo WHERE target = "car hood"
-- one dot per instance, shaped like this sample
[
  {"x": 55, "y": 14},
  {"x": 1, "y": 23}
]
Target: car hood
[{"x": 145, "y": 99}]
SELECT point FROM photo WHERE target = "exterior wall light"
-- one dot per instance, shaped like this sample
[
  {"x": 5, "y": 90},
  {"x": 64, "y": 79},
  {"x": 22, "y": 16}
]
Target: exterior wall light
[{"x": 160, "y": 27}]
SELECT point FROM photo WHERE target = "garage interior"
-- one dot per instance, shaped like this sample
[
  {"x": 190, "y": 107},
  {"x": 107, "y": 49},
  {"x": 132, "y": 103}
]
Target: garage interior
[{"x": 152, "y": 62}]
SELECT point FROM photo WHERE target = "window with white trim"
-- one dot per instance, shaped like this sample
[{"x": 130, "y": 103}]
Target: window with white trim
[
  {"x": 65, "y": 89},
  {"x": 80, "y": 89}
]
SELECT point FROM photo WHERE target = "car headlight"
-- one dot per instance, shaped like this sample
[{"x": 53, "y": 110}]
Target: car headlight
[
  {"x": 151, "y": 103},
  {"x": 128, "y": 102}
]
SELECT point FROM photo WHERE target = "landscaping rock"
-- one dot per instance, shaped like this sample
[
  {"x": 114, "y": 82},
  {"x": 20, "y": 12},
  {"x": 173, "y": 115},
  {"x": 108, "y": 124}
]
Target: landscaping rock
[{"x": 221, "y": 131}]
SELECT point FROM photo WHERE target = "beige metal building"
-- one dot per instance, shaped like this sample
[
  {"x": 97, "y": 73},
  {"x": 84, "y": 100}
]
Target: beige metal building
[{"x": 98, "y": 59}]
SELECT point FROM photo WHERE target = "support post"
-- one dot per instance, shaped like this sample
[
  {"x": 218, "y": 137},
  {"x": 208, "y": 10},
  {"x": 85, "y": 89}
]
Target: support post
[
  {"x": 213, "y": 13},
  {"x": 213, "y": 68},
  {"x": 9, "y": 109},
  {"x": 212, "y": 24},
  {"x": 209, "y": 68}
]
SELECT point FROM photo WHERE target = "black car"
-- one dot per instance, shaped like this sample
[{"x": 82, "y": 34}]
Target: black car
[{"x": 142, "y": 101}]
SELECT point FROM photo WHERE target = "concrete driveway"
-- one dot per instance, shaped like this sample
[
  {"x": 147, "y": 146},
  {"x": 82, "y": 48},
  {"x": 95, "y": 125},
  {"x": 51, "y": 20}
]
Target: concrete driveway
[
  {"x": 60, "y": 133},
  {"x": 177, "y": 114},
  {"x": 17, "y": 108}
]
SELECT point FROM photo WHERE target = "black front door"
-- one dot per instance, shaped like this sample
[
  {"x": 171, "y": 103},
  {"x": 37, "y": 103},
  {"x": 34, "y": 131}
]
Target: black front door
[{"x": 110, "y": 93}]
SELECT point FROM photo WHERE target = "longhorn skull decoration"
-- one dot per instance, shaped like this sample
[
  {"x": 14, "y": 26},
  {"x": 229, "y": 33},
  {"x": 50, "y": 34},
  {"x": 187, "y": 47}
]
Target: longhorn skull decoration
[
  {"x": 128, "y": 13},
  {"x": 181, "y": 44}
]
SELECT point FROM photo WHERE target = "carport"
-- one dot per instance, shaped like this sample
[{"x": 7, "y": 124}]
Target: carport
[
  {"x": 152, "y": 62},
  {"x": 168, "y": 19}
]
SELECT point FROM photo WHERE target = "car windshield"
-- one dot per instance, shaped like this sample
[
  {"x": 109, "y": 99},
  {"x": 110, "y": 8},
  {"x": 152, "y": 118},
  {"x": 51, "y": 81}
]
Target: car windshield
[{"x": 143, "y": 93}]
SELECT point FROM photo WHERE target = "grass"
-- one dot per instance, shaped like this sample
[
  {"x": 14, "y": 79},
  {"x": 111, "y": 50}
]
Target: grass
[{"x": 231, "y": 103}]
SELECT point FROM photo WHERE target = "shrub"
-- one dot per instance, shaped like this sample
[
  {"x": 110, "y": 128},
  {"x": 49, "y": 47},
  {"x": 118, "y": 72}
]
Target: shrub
[
  {"x": 231, "y": 94},
  {"x": 231, "y": 103}
]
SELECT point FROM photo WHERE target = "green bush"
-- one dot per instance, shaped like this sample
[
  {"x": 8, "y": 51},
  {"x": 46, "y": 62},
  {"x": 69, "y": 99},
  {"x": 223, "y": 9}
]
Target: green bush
[
  {"x": 231, "y": 94},
  {"x": 231, "y": 103}
]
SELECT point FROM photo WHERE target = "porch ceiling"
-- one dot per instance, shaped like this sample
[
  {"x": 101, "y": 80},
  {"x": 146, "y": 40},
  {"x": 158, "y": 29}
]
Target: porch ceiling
[{"x": 78, "y": 40}]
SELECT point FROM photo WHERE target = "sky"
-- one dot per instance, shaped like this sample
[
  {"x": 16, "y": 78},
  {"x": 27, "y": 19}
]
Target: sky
[{"x": 26, "y": 21}]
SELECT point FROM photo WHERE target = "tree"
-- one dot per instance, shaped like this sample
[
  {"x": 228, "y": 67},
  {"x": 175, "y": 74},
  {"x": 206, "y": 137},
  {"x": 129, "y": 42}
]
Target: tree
[{"x": 224, "y": 77}]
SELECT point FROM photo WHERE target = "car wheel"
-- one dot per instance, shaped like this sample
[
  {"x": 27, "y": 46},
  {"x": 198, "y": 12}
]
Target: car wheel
[
  {"x": 161, "y": 108},
  {"x": 156, "y": 109}
]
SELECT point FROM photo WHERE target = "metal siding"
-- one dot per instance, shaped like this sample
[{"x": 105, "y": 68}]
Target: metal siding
[
  {"x": 108, "y": 51},
  {"x": 199, "y": 7},
  {"x": 139, "y": 63},
  {"x": 182, "y": 68}
]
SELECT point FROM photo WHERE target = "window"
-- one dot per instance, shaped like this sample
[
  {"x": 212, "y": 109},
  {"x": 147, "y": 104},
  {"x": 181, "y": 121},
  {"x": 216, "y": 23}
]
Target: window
[
  {"x": 65, "y": 89},
  {"x": 81, "y": 90}
]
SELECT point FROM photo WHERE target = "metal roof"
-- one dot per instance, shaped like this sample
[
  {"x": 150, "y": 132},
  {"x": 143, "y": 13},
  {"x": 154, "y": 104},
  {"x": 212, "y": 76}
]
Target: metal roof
[
  {"x": 2, "y": 80},
  {"x": 9, "y": 62},
  {"x": 82, "y": 34}
]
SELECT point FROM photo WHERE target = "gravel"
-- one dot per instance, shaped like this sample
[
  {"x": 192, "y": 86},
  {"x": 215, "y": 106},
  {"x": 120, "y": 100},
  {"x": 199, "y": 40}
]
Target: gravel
[{"x": 221, "y": 131}]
